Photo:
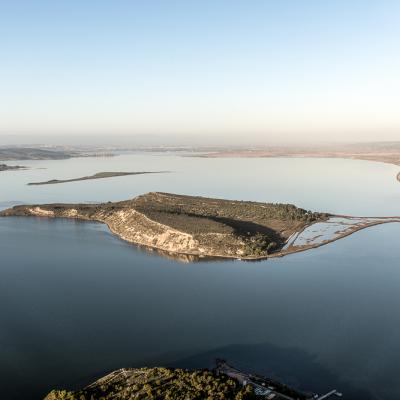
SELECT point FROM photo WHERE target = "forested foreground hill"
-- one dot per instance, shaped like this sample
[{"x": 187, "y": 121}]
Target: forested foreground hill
[{"x": 159, "y": 383}]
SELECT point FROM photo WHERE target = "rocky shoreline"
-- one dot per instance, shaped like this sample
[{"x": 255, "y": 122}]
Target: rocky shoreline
[{"x": 189, "y": 225}]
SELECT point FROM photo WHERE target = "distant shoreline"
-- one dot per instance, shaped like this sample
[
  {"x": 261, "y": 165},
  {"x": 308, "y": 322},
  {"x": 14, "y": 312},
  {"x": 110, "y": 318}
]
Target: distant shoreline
[{"x": 386, "y": 157}]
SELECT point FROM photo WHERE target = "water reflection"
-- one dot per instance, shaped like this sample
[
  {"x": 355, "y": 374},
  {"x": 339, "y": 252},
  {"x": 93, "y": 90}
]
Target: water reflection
[{"x": 76, "y": 301}]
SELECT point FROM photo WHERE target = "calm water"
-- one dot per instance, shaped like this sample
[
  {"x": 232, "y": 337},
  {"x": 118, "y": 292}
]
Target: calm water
[{"x": 76, "y": 302}]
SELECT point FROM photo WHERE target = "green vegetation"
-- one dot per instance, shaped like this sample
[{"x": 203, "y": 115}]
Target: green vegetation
[
  {"x": 219, "y": 208},
  {"x": 159, "y": 383},
  {"x": 262, "y": 227}
]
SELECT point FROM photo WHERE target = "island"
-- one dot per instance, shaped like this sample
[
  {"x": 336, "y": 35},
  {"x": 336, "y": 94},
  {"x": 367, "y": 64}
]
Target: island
[
  {"x": 99, "y": 175},
  {"x": 5, "y": 167},
  {"x": 223, "y": 382},
  {"x": 206, "y": 227}
]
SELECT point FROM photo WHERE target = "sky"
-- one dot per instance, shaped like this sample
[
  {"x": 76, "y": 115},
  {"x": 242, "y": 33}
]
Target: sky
[{"x": 283, "y": 70}]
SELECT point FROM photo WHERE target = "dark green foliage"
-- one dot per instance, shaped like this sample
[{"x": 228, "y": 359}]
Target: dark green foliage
[
  {"x": 206, "y": 207},
  {"x": 258, "y": 225}
]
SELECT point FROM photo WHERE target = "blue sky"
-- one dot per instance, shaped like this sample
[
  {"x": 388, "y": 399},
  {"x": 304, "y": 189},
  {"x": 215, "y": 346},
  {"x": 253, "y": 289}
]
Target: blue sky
[{"x": 268, "y": 69}]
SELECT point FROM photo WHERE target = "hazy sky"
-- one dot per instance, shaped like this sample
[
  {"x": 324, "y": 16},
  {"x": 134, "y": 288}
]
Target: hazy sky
[{"x": 327, "y": 70}]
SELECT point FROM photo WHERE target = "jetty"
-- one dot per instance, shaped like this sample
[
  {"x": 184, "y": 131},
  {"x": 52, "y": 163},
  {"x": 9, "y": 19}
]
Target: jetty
[{"x": 268, "y": 388}]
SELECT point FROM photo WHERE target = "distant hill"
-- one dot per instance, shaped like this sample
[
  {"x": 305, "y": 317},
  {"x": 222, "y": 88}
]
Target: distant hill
[{"x": 31, "y": 153}]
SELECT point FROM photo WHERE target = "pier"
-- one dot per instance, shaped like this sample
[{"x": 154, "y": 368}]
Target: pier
[{"x": 268, "y": 388}]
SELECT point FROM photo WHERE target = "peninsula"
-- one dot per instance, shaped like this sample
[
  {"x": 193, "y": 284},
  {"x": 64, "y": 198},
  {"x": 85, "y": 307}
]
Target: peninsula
[
  {"x": 99, "y": 175},
  {"x": 206, "y": 227}
]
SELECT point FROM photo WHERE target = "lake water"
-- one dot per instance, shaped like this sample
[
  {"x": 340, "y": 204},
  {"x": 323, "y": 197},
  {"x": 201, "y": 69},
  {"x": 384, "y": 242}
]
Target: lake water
[{"x": 76, "y": 302}]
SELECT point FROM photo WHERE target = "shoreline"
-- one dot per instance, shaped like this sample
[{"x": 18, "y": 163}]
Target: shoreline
[
  {"x": 193, "y": 257},
  {"x": 256, "y": 258},
  {"x": 350, "y": 232},
  {"x": 392, "y": 159}
]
